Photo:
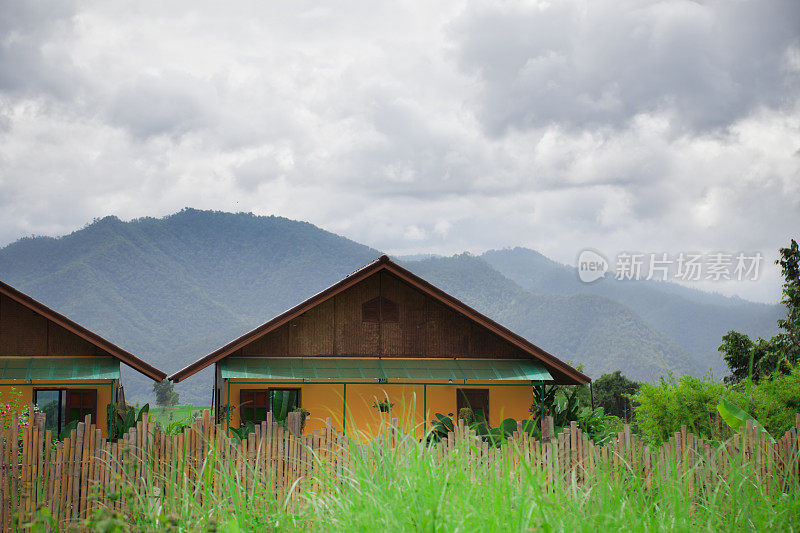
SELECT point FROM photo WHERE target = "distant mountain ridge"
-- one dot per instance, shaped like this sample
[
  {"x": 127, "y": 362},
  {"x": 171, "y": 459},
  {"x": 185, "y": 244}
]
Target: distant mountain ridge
[
  {"x": 694, "y": 319},
  {"x": 172, "y": 289}
]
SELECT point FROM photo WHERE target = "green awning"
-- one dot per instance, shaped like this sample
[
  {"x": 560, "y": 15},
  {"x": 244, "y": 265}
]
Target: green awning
[
  {"x": 59, "y": 368},
  {"x": 344, "y": 369}
]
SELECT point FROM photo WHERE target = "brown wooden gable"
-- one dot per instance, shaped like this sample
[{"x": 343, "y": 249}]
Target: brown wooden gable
[
  {"x": 23, "y": 332},
  {"x": 28, "y": 328},
  {"x": 415, "y": 325},
  {"x": 421, "y": 321}
]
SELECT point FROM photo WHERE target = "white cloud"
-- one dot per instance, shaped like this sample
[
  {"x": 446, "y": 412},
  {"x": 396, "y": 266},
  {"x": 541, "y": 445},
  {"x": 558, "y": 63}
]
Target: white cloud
[{"x": 413, "y": 127}]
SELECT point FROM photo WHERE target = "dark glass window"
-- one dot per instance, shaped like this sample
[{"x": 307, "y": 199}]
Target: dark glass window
[
  {"x": 51, "y": 403},
  {"x": 62, "y": 406},
  {"x": 254, "y": 404}
]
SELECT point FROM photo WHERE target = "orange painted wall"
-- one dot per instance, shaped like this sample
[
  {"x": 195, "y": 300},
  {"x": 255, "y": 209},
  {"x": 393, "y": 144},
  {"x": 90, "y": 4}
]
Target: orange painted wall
[
  {"x": 104, "y": 394},
  {"x": 362, "y": 419},
  {"x": 321, "y": 400},
  {"x": 504, "y": 401}
]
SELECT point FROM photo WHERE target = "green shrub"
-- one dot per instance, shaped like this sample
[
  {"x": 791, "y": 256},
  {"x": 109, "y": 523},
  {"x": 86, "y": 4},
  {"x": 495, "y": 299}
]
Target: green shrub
[
  {"x": 774, "y": 402},
  {"x": 663, "y": 407}
]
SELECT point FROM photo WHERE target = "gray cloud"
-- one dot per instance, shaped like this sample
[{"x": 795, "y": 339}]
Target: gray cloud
[
  {"x": 584, "y": 64},
  {"x": 170, "y": 103},
  {"x": 429, "y": 127},
  {"x": 28, "y": 65}
]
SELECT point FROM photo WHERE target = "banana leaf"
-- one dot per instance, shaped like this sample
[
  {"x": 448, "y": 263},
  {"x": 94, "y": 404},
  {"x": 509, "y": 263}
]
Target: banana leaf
[
  {"x": 446, "y": 421},
  {"x": 737, "y": 418}
]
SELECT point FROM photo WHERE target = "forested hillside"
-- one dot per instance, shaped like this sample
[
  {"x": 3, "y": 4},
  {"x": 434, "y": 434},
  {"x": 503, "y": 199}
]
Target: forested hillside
[{"x": 171, "y": 290}]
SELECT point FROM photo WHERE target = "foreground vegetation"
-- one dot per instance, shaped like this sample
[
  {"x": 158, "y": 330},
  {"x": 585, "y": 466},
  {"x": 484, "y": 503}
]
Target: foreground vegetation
[{"x": 409, "y": 488}]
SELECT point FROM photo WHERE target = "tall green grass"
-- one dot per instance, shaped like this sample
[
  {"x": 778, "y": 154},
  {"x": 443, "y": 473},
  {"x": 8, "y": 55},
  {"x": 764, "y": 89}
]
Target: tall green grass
[{"x": 408, "y": 488}]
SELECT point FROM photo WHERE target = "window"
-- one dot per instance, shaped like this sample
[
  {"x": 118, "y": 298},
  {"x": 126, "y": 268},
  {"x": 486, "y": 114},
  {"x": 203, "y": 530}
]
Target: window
[
  {"x": 51, "y": 402},
  {"x": 477, "y": 400},
  {"x": 81, "y": 402},
  {"x": 62, "y": 406},
  {"x": 254, "y": 404}
]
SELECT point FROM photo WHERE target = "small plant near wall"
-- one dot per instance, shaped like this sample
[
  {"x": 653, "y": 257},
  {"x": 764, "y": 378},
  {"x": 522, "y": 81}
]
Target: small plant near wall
[
  {"x": 226, "y": 410},
  {"x": 384, "y": 406},
  {"x": 467, "y": 415}
]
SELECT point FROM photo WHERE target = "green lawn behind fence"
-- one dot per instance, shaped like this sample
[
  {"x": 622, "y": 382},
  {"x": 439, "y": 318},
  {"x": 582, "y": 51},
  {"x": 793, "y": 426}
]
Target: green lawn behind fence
[{"x": 166, "y": 415}]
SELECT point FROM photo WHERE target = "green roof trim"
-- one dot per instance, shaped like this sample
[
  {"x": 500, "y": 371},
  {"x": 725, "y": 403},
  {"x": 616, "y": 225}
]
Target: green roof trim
[
  {"x": 58, "y": 368},
  {"x": 387, "y": 368}
]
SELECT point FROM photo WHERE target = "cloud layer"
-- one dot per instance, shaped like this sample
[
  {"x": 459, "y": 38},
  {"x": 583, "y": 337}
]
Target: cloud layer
[{"x": 414, "y": 127}]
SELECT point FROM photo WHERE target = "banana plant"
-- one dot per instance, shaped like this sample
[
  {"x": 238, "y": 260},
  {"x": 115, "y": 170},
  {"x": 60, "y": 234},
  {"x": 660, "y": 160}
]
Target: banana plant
[
  {"x": 737, "y": 418},
  {"x": 241, "y": 433},
  {"x": 281, "y": 402},
  {"x": 439, "y": 428},
  {"x": 494, "y": 436},
  {"x": 121, "y": 418},
  {"x": 67, "y": 429}
]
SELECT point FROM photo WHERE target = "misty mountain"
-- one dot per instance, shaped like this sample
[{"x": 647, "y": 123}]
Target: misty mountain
[
  {"x": 171, "y": 290},
  {"x": 695, "y": 320}
]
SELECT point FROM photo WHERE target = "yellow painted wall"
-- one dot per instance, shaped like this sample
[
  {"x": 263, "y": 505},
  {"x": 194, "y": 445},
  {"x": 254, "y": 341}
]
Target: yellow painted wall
[
  {"x": 105, "y": 391},
  {"x": 326, "y": 400}
]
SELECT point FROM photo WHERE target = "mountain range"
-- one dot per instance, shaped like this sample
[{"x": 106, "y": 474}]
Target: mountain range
[{"x": 172, "y": 289}]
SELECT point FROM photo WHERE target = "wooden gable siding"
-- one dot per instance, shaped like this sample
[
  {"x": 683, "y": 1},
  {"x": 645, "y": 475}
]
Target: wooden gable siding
[
  {"x": 24, "y": 332},
  {"x": 424, "y": 328}
]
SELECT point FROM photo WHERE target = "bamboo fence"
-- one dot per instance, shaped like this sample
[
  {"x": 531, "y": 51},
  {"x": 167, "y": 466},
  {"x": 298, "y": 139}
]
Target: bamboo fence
[{"x": 85, "y": 471}]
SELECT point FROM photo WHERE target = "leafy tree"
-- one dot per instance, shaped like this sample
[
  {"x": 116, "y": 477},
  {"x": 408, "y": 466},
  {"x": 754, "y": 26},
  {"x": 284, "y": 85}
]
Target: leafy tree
[
  {"x": 764, "y": 357},
  {"x": 165, "y": 393},
  {"x": 612, "y": 393},
  {"x": 737, "y": 350},
  {"x": 790, "y": 269}
]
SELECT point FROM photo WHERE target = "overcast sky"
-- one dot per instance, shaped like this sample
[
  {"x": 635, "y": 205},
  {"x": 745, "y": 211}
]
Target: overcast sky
[{"x": 437, "y": 127}]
